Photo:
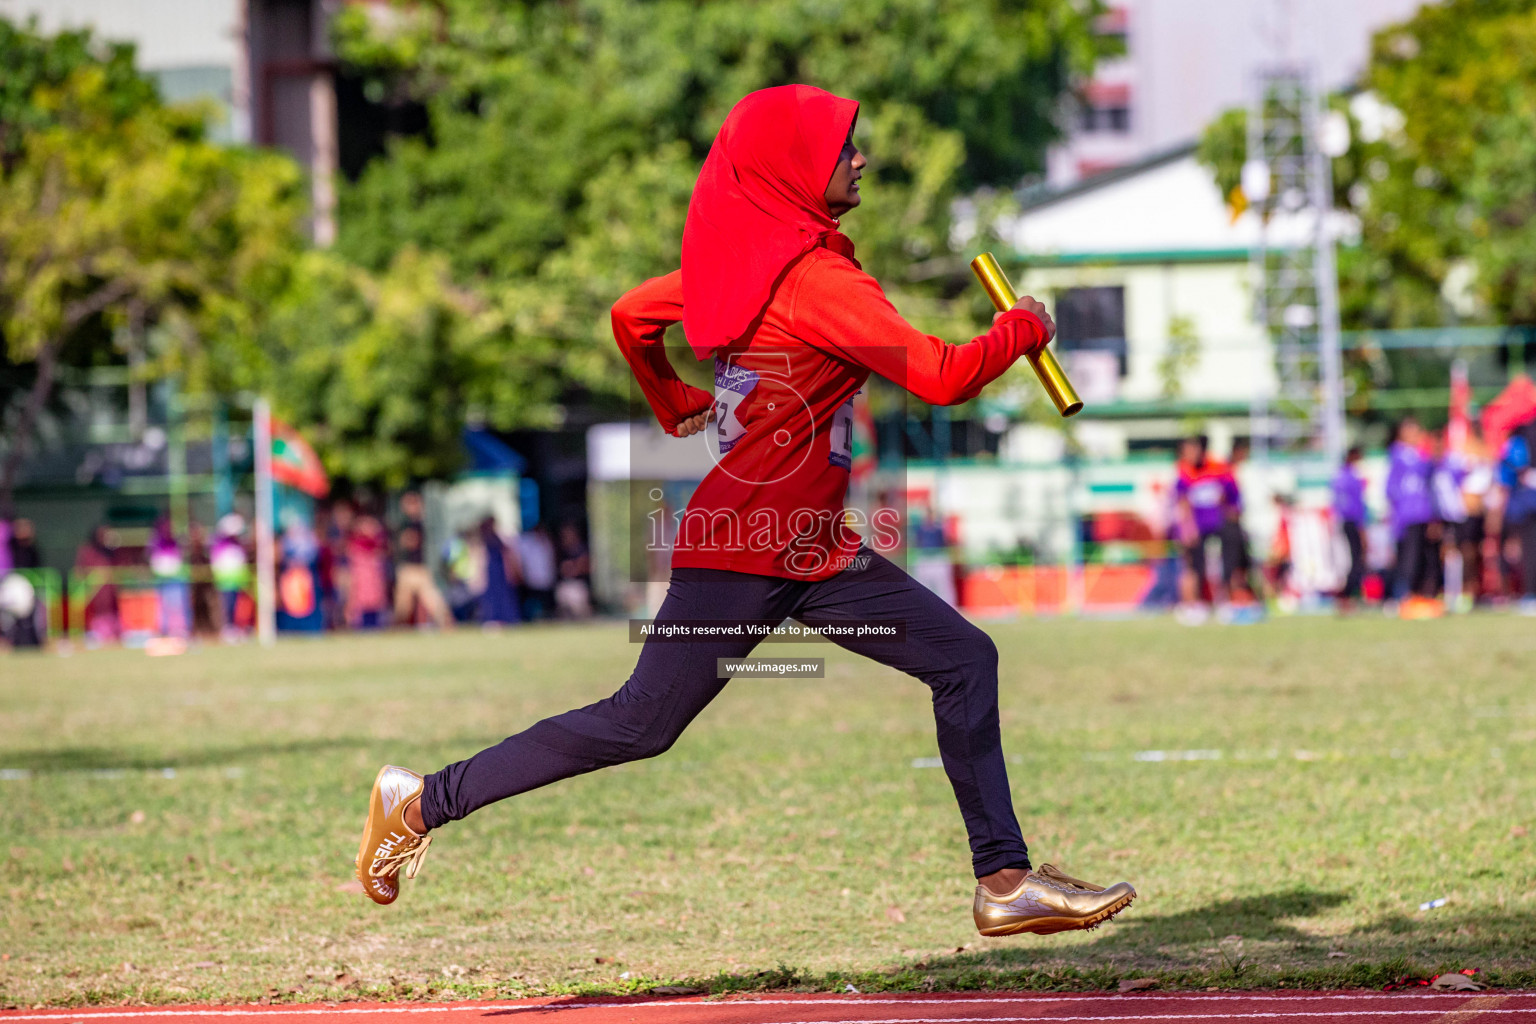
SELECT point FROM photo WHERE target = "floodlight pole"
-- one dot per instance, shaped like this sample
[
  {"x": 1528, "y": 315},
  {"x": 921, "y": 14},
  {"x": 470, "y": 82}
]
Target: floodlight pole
[
  {"x": 266, "y": 563},
  {"x": 1325, "y": 271},
  {"x": 1289, "y": 177}
]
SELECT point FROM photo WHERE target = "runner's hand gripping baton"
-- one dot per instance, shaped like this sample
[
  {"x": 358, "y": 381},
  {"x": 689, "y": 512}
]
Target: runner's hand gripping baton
[{"x": 1052, "y": 377}]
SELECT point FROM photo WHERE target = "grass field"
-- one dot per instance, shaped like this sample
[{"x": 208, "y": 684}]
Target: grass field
[{"x": 1283, "y": 796}]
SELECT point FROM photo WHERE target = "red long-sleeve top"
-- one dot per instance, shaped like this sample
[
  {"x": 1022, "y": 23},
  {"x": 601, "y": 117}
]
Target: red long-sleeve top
[{"x": 783, "y": 402}]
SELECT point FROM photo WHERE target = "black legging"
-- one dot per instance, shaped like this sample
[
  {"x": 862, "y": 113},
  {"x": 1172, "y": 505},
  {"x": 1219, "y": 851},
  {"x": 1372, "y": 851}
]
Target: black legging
[
  {"x": 674, "y": 681},
  {"x": 1235, "y": 564},
  {"x": 1527, "y": 531},
  {"x": 1356, "y": 561},
  {"x": 1416, "y": 565}
]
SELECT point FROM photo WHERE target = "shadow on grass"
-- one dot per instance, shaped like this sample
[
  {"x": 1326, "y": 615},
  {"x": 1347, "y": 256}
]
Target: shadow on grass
[
  {"x": 130, "y": 759},
  {"x": 1200, "y": 934},
  {"x": 110, "y": 759},
  {"x": 1248, "y": 917},
  {"x": 1245, "y": 942}
]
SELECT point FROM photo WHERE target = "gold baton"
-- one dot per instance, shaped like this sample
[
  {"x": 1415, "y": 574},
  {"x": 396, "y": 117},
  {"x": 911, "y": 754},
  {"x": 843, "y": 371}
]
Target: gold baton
[{"x": 1052, "y": 377}]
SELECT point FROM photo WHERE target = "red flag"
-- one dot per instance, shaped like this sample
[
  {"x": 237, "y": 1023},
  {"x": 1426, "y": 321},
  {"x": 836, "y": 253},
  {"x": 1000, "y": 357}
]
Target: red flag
[
  {"x": 1515, "y": 406},
  {"x": 295, "y": 463}
]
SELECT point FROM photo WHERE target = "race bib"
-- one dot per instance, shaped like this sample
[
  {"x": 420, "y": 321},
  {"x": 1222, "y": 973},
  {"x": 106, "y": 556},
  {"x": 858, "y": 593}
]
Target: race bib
[
  {"x": 732, "y": 386},
  {"x": 840, "y": 444}
]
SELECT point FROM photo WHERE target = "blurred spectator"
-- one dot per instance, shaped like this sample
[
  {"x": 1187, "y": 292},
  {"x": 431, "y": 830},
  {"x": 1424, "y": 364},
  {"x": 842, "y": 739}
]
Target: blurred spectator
[
  {"x": 931, "y": 562},
  {"x": 1412, "y": 509},
  {"x": 231, "y": 572},
  {"x": 336, "y": 589},
  {"x": 1451, "y": 516},
  {"x": 1349, "y": 509},
  {"x": 1240, "y": 585},
  {"x": 1477, "y": 485},
  {"x": 1277, "y": 567},
  {"x": 167, "y": 566},
  {"x": 94, "y": 562},
  {"x": 207, "y": 618},
  {"x": 298, "y": 577},
  {"x": 325, "y": 567},
  {"x": 465, "y": 559},
  {"x": 1207, "y": 504},
  {"x": 367, "y": 573},
  {"x": 573, "y": 592},
  {"x": 5, "y": 546},
  {"x": 1161, "y": 550},
  {"x": 536, "y": 555},
  {"x": 414, "y": 584},
  {"x": 1517, "y": 475},
  {"x": 498, "y": 604},
  {"x": 20, "y": 618},
  {"x": 24, "y": 552}
]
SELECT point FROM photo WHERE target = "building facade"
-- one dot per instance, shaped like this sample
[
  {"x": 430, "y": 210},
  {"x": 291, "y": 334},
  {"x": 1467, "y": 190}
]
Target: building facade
[
  {"x": 1188, "y": 60},
  {"x": 265, "y": 65}
]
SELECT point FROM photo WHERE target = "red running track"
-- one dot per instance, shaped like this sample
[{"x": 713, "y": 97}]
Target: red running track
[{"x": 1298, "y": 1007}]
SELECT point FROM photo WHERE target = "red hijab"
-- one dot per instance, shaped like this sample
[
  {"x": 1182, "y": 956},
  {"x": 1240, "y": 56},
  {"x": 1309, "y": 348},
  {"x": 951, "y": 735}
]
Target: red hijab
[{"x": 759, "y": 204}]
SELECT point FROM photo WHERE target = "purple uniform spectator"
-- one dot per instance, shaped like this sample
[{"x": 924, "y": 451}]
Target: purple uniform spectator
[
  {"x": 1210, "y": 490},
  {"x": 1349, "y": 495},
  {"x": 1411, "y": 505},
  {"x": 1408, "y": 493}
]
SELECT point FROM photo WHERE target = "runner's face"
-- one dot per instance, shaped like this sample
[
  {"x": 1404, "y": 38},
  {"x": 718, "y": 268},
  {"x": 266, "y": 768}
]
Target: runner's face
[{"x": 843, "y": 190}]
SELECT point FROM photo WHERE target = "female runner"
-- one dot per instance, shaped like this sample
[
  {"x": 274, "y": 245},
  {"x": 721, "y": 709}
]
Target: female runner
[{"x": 769, "y": 288}]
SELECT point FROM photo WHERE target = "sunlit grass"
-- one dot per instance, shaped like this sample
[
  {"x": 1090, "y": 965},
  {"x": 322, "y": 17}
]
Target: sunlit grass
[{"x": 1283, "y": 796}]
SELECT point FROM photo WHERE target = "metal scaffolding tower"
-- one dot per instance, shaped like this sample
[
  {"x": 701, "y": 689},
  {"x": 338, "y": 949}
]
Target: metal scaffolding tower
[{"x": 1288, "y": 180}]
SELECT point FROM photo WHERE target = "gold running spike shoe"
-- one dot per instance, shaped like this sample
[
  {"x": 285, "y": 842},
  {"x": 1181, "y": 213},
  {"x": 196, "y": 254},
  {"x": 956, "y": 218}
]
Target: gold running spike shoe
[
  {"x": 1049, "y": 901},
  {"x": 388, "y": 842}
]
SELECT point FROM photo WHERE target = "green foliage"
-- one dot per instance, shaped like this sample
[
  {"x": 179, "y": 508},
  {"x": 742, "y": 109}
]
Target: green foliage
[
  {"x": 1451, "y": 183},
  {"x": 1500, "y": 186},
  {"x": 1180, "y": 357},
  {"x": 136, "y": 217},
  {"x": 116, "y": 213},
  {"x": 383, "y": 368},
  {"x": 32, "y": 61},
  {"x": 564, "y": 142},
  {"x": 565, "y": 138},
  {"x": 1223, "y": 148}
]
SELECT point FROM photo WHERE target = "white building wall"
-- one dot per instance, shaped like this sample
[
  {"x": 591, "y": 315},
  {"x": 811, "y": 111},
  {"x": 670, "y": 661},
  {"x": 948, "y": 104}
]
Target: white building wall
[
  {"x": 1235, "y": 362},
  {"x": 193, "y": 48},
  {"x": 168, "y": 33},
  {"x": 1188, "y": 60},
  {"x": 1170, "y": 205},
  {"x": 1163, "y": 233}
]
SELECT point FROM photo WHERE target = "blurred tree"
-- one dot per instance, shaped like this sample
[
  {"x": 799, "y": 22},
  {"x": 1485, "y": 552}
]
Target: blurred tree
[
  {"x": 565, "y": 138},
  {"x": 1180, "y": 356},
  {"x": 1441, "y": 171},
  {"x": 384, "y": 369},
  {"x": 32, "y": 60},
  {"x": 116, "y": 216}
]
